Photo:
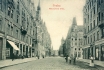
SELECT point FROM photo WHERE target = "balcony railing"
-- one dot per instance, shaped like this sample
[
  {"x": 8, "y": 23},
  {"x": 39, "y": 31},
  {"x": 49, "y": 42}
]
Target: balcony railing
[
  {"x": 85, "y": 36},
  {"x": 101, "y": 25},
  {"x": 23, "y": 30}
]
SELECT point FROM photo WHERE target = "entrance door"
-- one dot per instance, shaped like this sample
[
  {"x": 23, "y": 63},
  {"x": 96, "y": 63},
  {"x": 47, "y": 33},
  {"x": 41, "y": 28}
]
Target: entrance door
[
  {"x": 102, "y": 53},
  {"x": 88, "y": 53},
  {"x": 1, "y": 45}
]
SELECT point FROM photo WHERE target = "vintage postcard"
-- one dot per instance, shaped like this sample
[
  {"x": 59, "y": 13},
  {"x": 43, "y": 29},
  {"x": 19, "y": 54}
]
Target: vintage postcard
[{"x": 51, "y": 35}]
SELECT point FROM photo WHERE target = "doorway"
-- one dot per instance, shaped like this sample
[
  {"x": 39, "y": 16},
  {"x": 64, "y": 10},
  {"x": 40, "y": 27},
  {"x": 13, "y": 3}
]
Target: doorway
[
  {"x": 1, "y": 46},
  {"x": 102, "y": 53}
]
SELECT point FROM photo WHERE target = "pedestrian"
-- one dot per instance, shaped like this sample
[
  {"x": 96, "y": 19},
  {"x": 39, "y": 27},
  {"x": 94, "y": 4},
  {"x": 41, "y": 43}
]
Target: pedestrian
[
  {"x": 69, "y": 58},
  {"x": 38, "y": 56},
  {"x": 66, "y": 58},
  {"x": 13, "y": 56},
  {"x": 74, "y": 60}
]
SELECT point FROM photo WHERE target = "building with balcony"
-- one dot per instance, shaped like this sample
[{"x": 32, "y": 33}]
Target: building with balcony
[
  {"x": 93, "y": 15},
  {"x": 20, "y": 29}
]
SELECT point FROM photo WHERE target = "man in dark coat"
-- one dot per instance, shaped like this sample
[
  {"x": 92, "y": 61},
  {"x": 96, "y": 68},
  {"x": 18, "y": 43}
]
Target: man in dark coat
[
  {"x": 66, "y": 58},
  {"x": 13, "y": 56}
]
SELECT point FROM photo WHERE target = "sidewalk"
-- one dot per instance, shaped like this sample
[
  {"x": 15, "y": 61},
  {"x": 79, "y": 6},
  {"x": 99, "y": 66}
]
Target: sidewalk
[
  {"x": 9, "y": 62},
  {"x": 100, "y": 63}
]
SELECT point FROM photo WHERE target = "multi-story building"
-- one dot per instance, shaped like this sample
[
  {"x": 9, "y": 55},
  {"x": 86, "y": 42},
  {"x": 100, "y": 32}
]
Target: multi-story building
[
  {"x": 93, "y": 12},
  {"x": 16, "y": 28},
  {"x": 19, "y": 30},
  {"x": 74, "y": 40}
]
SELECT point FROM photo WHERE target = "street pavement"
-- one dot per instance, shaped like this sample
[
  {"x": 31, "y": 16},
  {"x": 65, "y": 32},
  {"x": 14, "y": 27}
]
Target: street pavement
[
  {"x": 9, "y": 62},
  {"x": 51, "y": 63},
  {"x": 97, "y": 62}
]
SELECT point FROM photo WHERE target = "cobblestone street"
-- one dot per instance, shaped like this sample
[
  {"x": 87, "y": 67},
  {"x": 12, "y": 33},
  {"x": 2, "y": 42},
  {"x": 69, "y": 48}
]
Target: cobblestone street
[{"x": 51, "y": 63}]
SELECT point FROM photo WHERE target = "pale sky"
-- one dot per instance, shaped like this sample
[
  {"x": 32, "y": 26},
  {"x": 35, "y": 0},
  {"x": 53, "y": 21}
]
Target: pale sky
[{"x": 58, "y": 21}]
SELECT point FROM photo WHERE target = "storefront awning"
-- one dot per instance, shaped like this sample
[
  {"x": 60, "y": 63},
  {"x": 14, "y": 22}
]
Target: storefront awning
[{"x": 13, "y": 45}]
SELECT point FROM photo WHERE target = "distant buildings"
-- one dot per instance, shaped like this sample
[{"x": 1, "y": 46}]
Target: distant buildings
[
  {"x": 55, "y": 52},
  {"x": 22, "y": 31},
  {"x": 62, "y": 48}
]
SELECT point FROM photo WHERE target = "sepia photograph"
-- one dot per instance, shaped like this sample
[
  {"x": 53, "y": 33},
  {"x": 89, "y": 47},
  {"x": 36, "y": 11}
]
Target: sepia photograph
[{"x": 51, "y": 34}]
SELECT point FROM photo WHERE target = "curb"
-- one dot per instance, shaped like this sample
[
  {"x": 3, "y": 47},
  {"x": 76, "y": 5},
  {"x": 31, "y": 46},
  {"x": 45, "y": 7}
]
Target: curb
[
  {"x": 89, "y": 63},
  {"x": 14, "y": 64}
]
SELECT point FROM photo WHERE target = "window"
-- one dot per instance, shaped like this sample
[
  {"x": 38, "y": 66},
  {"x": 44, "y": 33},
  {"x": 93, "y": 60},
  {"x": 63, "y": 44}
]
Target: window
[
  {"x": 76, "y": 43},
  {"x": 30, "y": 40},
  {"x": 99, "y": 16},
  {"x": 18, "y": 5},
  {"x": 75, "y": 38},
  {"x": 11, "y": 13},
  {"x": 8, "y": 28},
  {"x": 75, "y": 49},
  {"x": 9, "y": 9},
  {"x": 90, "y": 4},
  {"x": 97, "y": 20},
  {"x": 94, "y": 10},
  {"x": 88, "y": 7},
  {"x": 17, "y": 33},
  {"x": 98, "y": 2},
  {"x": 85, "y": 30},
  {"x": 22, "y": 11},
  {"x": 72, "y": 39},
  {"x": 33, "y": 32},
  {"x": 17, "y": 18},
  {"x": 88, "y": 18},
  {"x": 88, "y": 28},
  {"x": 91, "y": 38},
  {"x": 102, "y": 16},
  {"x": 88, "y": 40},
  {"x": 94, "y": 36},
  {"x": 79, "y": 48},
  {"x": 103, "y": 32},
  {"x": 11, "y": 30},
  {"x": 27, "y": 40},
  {"x": 98, "y": 35},
  {"x": 94, "y": 23},
  {"x": 85, "y": 20},
  {"x": 91, "y": 26},
  {"x": 0, "y": 4},
  {"x": 91, "y": 15},
  {"x": 0, "y": 24}
]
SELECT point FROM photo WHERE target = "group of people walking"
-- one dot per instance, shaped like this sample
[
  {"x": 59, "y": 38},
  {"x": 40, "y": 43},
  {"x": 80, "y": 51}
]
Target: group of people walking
[
  {"x": 17, "y": 57},
  {"x": 71, "y": 59}
]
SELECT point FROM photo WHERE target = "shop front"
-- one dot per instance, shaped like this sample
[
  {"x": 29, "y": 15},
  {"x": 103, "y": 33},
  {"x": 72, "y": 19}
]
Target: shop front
[
  {"x": 86, "y": 53},
  {"x": 97, "y": 52},
  {"x": 102, "y": 52},
  {"x": 11, "y": 49}
]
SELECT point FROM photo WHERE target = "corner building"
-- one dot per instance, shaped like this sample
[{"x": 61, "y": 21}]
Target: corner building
[
  {"x": 74, "y": 39},
  {"x": 93, "y": 16}
]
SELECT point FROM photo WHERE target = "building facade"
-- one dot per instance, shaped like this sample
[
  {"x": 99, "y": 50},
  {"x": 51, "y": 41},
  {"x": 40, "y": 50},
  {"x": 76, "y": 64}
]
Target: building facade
[
  {"x": 93, "y": 15},
  {"x": 74, "y": 40},
  {"x": 20, "y": 27}
]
